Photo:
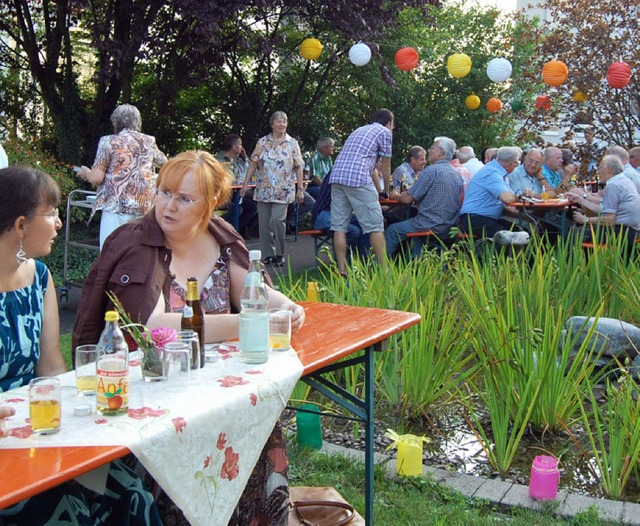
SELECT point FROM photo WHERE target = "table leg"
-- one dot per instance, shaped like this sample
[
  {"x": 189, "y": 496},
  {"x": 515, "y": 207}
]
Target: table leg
[
  {"x": 236, "y": 208},
  {"x": 369, "y": 435}
]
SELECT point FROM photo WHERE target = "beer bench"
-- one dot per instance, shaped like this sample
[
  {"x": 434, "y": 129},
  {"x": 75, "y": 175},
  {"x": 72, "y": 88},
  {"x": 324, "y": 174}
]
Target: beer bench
[{"x": 320, "y": 238}]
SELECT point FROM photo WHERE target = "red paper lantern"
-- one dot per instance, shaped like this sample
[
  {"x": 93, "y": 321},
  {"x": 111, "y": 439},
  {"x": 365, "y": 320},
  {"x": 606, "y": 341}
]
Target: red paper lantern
[
  {"x": 555, "y": 72},
  {"x": 407, "y": 58},
  {"x": 543, "y": 102},
  {"x": 619, "y": 75},
  {"x": 494, "y": 105}
]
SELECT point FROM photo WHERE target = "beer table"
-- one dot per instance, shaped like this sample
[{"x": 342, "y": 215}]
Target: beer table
[
  {"x": 331, "y": 333},
  {"x": 540, "y": 206}
]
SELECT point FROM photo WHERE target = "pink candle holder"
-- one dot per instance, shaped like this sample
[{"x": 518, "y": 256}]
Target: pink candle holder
[{"x": 543, "y": 484}]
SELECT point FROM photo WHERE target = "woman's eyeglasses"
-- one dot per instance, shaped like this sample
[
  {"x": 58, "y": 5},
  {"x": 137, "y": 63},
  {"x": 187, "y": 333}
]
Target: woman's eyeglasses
[
  {"x": 53, "y": 215},
  {"x": 181, "y": 200}
]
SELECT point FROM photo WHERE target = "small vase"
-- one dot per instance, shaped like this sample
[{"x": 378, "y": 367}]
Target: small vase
[{"x": 152, "y": 366}]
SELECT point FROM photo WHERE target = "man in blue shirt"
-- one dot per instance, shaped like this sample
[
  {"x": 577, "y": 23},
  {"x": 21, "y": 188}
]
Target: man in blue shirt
[
  {"x": 552, "y": 170},
  {"x": 487, "y": 193},
  {"x": 353, "y": 189},
  {"x": 437, "y": 192}
]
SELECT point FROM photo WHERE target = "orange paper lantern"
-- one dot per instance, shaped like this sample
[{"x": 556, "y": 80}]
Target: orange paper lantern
[
  {"x": 494, "y": 105},
  {"x": 310, "y": 48},
  {"x": 555, "y": 72},
  {"x": 619, "y": 75},
  {"x": 407, "y": 58},
  {"x": 472, "y": 102},
  {"x": 543, "y": 102}
]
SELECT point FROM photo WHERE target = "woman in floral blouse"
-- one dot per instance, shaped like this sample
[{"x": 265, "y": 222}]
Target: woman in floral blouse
[
  {"x": 123, "y": 170},
  {"x": 279, "y": 163}
]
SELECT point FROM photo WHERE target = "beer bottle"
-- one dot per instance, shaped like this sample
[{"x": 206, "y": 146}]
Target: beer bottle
[
  {"x": 112, "y": 368},
  {"x": 193, "y": 320}
]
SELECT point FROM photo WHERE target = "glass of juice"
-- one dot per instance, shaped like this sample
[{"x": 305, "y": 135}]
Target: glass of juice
[
  {"x": 279, "y": 329},
  {"x": 44, "y": 405},
  {"x": 86, "y": 356}
]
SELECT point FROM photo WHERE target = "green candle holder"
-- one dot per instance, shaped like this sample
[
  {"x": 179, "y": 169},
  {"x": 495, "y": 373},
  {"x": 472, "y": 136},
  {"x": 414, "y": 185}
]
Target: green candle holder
[{"x": 309, "y": 427}]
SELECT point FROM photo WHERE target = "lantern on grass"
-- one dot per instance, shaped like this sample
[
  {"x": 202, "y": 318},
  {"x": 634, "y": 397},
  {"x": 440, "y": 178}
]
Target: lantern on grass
[
  {"x": 543, "y": 102},
  {"x": 619, "y": 75},
  {"x": 360, "y": 54},
  {"x": 499, "y": 69},
  {"x": 555, "y": 72},
  {"x": 311, "y": 48},
  {"x": 409, "y": 461},
  {"x": 472, "y": 102},
  {"x": 494, "y": 105},
  {"x": 459, "y": 65},
  {"x": 407, "y": 58}
]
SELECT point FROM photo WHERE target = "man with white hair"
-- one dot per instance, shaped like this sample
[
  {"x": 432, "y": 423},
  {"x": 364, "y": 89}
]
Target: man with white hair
[
  {"x": 634, "y": 157},
  {"x": 629, "y": 171},
  {"x": 552, "y": 170},
  {"x": 437, "y": 193},
  {"x": 487, "y": 194},
  {"x": 468, "y": 158}
]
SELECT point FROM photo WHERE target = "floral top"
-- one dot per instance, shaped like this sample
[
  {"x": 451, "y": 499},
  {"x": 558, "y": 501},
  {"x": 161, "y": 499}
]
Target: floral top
[
  {"x": 128, "y": 159},
  {"x": 276, "y": 178},
  {"x": 214, "y": 297},
  {"x": 21, "y": 313}
]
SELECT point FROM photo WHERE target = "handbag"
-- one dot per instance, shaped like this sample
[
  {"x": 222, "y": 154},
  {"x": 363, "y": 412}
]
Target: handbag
[{"x": 320, "y": 506}]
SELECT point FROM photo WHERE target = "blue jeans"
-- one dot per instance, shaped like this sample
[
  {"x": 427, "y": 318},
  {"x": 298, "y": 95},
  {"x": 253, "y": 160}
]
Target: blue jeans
[
  {"x": 397, "y": 233},
  {"x": 356, "y": 240}
]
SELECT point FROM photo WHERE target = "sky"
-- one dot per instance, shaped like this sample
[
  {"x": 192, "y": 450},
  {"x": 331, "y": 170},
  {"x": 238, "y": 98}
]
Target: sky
[{"x": 505, "y": 5}]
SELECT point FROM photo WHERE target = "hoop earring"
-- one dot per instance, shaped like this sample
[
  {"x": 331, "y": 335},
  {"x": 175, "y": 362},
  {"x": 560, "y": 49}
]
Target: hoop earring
[{"x": 21, "y": 256}]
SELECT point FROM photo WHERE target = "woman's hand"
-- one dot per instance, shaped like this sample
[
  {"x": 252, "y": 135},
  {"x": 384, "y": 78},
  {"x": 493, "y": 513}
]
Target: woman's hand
[
  {"x": 5, "y": 412},
  {"x": 297, "y": 317}
]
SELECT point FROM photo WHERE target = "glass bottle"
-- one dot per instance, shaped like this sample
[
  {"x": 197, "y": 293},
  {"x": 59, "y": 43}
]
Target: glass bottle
[
  {"x": 193, "y": 320},
  {"x": 254, "y": 314},
  {"x": 112, "y": 368}
]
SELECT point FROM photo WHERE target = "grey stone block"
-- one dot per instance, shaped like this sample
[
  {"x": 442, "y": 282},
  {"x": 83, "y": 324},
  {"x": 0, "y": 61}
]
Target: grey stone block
[
  {"x": 609, "y": 510},
  {"x": 466, "y": 484},
  {"x": 518, "y": 496},
  {"x": 493, "y": 490},
  {"x": 631, "y": 513}
]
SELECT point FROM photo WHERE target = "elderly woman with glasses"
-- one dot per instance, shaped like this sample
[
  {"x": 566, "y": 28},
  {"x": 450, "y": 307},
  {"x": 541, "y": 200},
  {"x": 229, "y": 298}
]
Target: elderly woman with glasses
[
  {"x": 123, "y": 170},
  {"x": 146, "y": 264}
]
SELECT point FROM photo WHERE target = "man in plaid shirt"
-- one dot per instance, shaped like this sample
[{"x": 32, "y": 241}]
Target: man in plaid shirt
[{"x": 353, "y": 190}]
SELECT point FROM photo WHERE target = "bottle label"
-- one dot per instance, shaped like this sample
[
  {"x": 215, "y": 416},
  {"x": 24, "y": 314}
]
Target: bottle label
[
  {"x": 112, "y": 389},
  {"x": 187, "y": 311}
]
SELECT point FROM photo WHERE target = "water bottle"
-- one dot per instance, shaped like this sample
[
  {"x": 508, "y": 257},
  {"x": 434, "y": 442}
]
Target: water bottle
[{"x": 254, "y": 314}]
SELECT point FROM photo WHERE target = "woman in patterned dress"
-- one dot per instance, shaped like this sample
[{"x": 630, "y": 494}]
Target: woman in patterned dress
[
  {"x": 30, "y": 347},
  {"x": 278, "y": 161},
  {"x": 123, "y": 171}
]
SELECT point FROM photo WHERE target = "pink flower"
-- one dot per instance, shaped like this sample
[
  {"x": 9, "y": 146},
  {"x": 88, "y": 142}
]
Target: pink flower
[
  {"x": 14, "y": 400},
  {"x": 163, "y": 335},
  {"x": 101, "y": 421},
  {"x": 230, "y": 467},
  {"x": 254, "y": 372},
  {"x": 144, "y": 412},
  {"x": 222, "y": 441},
  {"x": 232, "y": 381},
  {"x": 179, "y": 423},
  {"x": 207, "y": 461},
  {"x": 254, "y": 399},
  {"x": 20, "y": 432}
]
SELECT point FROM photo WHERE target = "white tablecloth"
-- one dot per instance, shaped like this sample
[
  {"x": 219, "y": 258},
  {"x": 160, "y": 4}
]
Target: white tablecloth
[{"x": 200, "y": 443}]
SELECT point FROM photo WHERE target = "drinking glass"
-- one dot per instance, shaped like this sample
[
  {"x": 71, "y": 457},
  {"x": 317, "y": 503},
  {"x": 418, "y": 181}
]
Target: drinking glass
[
  {"x": 192, "y": 338},
  {"x": 279, "y": 329},
  {"x": 86, "y": 356},
  {"x": 177, "y": 364},
  {"x": 44, "y": 405}
]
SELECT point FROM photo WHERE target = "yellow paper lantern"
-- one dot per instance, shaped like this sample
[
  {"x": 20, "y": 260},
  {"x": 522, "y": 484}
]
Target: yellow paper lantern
[
  {"x": 555, "y": 72},
  {"x": 472, "y": 102},
  {"x": 579, "y": 96},
  {"x": 459, "y": 65},
  {"x": 311, "y": 48}
]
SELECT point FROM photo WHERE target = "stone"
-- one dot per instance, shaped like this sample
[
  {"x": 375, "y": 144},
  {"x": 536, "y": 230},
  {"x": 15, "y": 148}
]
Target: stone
[{"x": 617, "y": 338}]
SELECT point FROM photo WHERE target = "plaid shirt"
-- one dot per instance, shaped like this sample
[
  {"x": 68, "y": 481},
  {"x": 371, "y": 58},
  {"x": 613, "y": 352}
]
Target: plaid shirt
[{"x": 359, "y": 155}]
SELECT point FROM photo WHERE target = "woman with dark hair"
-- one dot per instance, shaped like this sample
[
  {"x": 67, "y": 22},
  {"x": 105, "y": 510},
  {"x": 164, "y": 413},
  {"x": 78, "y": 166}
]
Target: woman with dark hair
[
  {"x": 30, "y": 347},
  {"x": 123, "y": 171}
]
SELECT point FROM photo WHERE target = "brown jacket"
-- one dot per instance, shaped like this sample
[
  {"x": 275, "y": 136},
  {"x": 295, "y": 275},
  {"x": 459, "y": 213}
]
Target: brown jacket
[{"x": 134, "y": 265}]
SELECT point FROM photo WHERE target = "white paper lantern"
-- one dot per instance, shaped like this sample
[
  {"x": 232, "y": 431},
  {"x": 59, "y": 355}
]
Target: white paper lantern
[
  {"x": 499, "y": 69},
  {"x": 360, "y": 54}
]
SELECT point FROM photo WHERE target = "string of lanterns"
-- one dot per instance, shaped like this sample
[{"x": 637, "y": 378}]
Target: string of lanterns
[{"x": 554, "y": 72}]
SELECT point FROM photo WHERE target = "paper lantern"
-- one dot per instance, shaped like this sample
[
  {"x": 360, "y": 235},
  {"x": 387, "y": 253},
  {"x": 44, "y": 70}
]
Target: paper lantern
[
  {"x": 543, "y": 102},
  {"x": 619, "y": 75},
  {"x": 494, "y": 105},
  {"x": 459, "y": 65},
  {"x": 472, "y": 102},
  {"x": 579, "y": 96},
  {"x": 499, "y": 69},
  {"x": 360, "y": 54},
  {"x": 517, "y": 105},
  {"x": 311, "y": 48},
  {"x": 407, "y": 58},
  {"x": 555, "y": 72}
]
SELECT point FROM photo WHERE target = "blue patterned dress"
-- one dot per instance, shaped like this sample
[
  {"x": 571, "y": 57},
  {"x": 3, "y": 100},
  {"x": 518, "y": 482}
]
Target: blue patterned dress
[{"x": 20, "y": 326}]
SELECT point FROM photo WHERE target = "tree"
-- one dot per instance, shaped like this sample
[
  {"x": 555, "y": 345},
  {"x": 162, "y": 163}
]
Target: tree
[{"x": 589, "y": 37}]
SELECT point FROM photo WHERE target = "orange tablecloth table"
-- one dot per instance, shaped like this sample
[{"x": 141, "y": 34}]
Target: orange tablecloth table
[
  {"x": 547, "y": 205},
  {"x": 331, "y": 332}
]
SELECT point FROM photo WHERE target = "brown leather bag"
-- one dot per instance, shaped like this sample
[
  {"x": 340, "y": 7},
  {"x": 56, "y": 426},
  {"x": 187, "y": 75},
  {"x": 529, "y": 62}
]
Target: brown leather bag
[{"x": 320, "y": 506}]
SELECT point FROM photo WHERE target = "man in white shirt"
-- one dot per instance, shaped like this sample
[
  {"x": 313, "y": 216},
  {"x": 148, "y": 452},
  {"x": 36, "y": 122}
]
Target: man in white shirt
[{"x": 467, "y": 157}]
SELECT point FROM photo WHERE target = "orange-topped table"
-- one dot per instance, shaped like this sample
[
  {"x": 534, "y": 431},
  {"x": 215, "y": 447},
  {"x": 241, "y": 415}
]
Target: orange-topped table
[
  {"x": 331, "y": 332},
  {"x": 546, "y": 205}
]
